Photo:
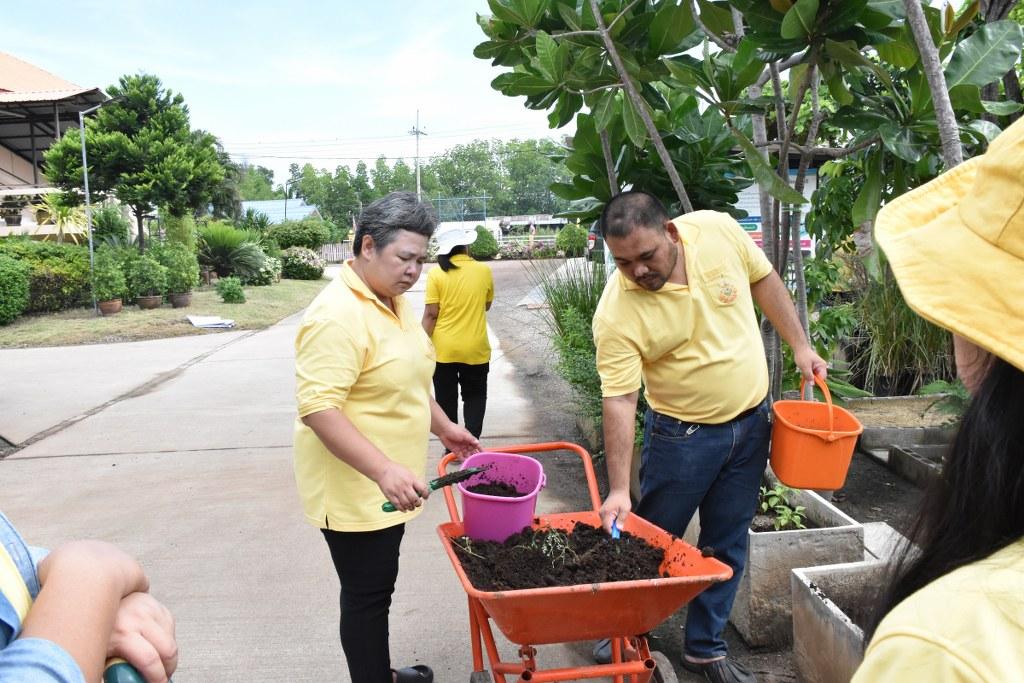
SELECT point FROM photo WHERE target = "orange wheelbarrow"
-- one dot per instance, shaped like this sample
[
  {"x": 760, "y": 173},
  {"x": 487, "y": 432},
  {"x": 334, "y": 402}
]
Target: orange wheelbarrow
[{"x": 616, "y": 610}]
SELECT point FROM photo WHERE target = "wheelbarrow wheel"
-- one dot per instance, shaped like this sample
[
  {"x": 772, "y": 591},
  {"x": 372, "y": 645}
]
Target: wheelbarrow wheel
[
  {"x": 664, "y": 672},
  {"x": 480, "y": 677}
]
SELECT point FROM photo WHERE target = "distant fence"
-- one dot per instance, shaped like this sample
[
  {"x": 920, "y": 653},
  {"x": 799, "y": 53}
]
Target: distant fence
[{"x": 336, "y": 252}]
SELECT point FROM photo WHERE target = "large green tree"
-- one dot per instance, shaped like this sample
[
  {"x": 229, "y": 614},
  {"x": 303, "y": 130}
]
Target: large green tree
[
  {"x": 142, "y": 151},
  {"x": 257, "y": 183}
]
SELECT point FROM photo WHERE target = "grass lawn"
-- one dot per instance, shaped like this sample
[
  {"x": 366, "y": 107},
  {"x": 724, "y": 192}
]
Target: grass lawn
[{"x": 263, "y": 307}]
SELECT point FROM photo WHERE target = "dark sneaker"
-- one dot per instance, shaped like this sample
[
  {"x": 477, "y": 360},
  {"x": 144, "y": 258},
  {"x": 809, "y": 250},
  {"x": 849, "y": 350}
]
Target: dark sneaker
[
  {"x": 603, "y": 651},
  {"x": 724, "y": 670}
]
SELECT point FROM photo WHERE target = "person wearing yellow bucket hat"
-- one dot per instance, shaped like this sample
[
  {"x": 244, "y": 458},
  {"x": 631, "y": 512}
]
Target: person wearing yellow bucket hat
[{"x": 952, "y": 610}]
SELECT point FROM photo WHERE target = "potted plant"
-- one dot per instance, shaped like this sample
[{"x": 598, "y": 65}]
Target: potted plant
[
  {"x": 182, "y": 273},
  {"x": 148, "y": 280},
  {"x": 10, "y": 209},
  {"x": 108, "y": 284}
]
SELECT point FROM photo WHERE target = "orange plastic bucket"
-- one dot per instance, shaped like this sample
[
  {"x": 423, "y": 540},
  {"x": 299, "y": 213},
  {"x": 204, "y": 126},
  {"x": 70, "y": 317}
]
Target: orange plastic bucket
[{"x": 813, "y": 442}]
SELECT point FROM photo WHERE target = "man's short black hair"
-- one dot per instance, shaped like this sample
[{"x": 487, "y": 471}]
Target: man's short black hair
[{"x": 630, "y": 210}]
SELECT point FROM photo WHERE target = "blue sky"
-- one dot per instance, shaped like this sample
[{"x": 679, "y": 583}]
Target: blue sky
[{"x": 290, "y": 81}]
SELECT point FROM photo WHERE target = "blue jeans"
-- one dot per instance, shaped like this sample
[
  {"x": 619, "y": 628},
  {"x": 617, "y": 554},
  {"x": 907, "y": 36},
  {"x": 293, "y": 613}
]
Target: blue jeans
[{"x": 716, "y": 468}]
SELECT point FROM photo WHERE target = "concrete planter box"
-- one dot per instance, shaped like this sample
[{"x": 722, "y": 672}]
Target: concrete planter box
[
  {"x": 881, "y": 438},
  {"x": 828, "y": 643},
  {"x": 762, "y": 611},
  {"x": 920, "y": 464}
]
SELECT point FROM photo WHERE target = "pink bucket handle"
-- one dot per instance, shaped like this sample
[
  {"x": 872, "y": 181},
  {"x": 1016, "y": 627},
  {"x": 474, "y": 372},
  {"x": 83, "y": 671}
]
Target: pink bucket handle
[{"x": 828, "y": 399}]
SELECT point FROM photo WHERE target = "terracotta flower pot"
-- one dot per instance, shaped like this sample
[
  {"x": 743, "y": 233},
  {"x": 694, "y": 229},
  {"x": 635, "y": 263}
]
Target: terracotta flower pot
[
  {"x": 110, "y": 307},
  {"x": 180, "y": 300},
  {"x": 145, "y": 302}
]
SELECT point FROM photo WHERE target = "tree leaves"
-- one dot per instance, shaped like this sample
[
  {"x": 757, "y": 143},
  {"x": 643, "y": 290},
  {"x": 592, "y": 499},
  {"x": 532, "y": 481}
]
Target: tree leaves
[
  {"x": 988, "y": 54},
  {"x": 866, "y": 206},
  {"x": 635, "y": 128},
  {"x": 766, "y": 176},
  {"x": 671, "y": 24},
  {"x": 799, "y": 20}
]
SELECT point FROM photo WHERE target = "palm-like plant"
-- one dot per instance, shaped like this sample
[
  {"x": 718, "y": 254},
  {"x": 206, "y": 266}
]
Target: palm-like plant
[
  {"x": 229, "y": 251},
  {"x": 54, "y": 209}
]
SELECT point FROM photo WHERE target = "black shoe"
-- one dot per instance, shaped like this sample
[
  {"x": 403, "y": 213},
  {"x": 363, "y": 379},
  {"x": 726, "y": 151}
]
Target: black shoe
[
  {"x": 419, "y": 673},
  {"x": 724, "y": 670}
]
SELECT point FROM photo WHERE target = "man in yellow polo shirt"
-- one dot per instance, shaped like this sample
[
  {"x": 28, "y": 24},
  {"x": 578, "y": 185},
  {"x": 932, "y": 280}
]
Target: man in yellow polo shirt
[{"x": 678, "y": 318}]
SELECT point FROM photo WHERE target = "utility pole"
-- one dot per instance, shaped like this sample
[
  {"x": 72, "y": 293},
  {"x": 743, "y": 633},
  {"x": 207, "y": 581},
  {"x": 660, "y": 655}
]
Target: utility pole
[{"x": 417, "y": 132}]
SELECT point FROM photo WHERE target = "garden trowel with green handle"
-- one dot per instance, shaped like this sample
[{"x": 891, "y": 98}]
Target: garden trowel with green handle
[{"x": 441, "y": 482}]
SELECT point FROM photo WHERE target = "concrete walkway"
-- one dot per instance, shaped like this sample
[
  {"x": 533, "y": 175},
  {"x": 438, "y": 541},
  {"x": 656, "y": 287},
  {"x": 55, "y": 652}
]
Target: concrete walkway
[{"x": 179, "y": 450}]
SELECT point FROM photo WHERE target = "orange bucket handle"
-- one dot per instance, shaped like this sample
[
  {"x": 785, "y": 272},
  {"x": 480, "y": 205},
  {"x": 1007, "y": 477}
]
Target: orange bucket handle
[{"x": 828, "y": 399}]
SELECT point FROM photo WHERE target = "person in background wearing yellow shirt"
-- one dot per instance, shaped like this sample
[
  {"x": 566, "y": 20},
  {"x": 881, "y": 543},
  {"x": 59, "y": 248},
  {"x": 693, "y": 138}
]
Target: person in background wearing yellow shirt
[
  {"x": 363, "y": 367},
  {"x": 678, "y": 317},
  {"x": 954, "y": 608},
  {"x": 459, "y": 294}
]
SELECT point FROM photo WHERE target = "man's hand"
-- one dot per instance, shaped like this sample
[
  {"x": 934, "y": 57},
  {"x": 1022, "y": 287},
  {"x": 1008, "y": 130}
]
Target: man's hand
[
  {"x": 143, "y": 635},
  {"x": 810, "y": 363},
  {"x": 401, "y": 487},
  {"x": 459, "y": 441},
  {"x": 614, "y": 509}
]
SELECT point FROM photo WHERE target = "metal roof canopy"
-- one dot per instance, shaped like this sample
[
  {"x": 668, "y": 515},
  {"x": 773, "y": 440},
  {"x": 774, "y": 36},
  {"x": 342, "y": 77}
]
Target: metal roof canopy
[{"x": 31, "y": 121}]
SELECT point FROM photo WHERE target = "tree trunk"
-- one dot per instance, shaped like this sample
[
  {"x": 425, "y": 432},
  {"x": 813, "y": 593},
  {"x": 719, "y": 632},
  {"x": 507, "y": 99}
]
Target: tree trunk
[
  {"x": 138, "y": 221},
  {"x": 1011, "y": 83},
  {"x": 609, "y": 163},
  {"x": 641, "y": 109},
  {"x": 952, "y": 152}
]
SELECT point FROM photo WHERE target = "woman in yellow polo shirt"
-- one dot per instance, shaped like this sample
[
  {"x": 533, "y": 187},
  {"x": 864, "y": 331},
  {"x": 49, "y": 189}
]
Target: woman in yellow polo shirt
[
  {"x": 363, "y": 367},
  {"x": 459, "y": 294},
  {"x": 954, "y": 606}
]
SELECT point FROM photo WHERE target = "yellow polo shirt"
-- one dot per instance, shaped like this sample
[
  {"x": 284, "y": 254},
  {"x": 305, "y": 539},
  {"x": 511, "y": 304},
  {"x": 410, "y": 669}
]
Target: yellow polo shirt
[
  {"x": 696, "y": 348},
  {"x": 964, "y": 626},
  {"x": 353, "y": 354},
  {"x": 462, "y": 295}
]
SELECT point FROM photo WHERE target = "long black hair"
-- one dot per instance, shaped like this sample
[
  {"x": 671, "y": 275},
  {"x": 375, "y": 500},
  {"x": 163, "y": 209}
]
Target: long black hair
[
  {"x": 977, "y": 506},
  {"x": 445, "y": 260}
]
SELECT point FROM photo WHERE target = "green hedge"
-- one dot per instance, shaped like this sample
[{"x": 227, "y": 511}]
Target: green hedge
[
  {"x": 485, "y": 247},
  {"x": 14, "y": 279},
  {"x": 311, "y": 233},
  {"x": 59, "y": 278}
]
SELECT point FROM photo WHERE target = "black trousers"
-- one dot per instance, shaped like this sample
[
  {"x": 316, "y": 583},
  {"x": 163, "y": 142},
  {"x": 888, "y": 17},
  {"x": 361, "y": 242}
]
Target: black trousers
[
  {"x": 472, "y": 379},
  {"x": 367, "y": 566}
]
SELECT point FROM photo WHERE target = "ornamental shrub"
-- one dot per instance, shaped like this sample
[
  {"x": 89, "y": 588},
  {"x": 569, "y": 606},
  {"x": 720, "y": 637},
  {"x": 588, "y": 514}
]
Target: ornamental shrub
[
  {"x": 299, "y": 263},
  {"x": 182, "y": 267},
  {"x": 147, "y": 277},
  {"x": 311, "y": 233},
  {"x": 268, "y": 273},
  {"x": 230, "y": 290},
  {"x": 571, "y": 239},
  {"x": 485, "y": 247},
  {"x": 513, "y": 249},
  {"x": 228, "y": 250},
  {"x": 107, "y": 279},
  {"x": 14, "y": 278},
  {"x": 109, "y": 223}
]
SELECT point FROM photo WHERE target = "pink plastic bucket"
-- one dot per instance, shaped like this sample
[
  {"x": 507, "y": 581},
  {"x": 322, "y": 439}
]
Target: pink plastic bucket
[{"x": 495, "y": 518}]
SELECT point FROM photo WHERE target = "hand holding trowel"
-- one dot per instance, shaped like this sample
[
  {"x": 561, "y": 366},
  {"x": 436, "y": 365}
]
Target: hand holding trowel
[{"x": 440, "y": 482}]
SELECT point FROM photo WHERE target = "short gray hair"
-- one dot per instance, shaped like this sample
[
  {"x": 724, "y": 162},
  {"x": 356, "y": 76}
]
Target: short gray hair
[{"x": 383, "y": 218}]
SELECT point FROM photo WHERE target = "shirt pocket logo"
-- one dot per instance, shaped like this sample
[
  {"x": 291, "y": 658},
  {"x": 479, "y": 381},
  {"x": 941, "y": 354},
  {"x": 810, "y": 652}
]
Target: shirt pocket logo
[{"x": 721, "y": 285}]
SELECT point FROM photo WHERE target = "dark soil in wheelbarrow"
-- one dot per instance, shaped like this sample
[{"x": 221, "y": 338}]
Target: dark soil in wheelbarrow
[{"x": 542, "y": 558}]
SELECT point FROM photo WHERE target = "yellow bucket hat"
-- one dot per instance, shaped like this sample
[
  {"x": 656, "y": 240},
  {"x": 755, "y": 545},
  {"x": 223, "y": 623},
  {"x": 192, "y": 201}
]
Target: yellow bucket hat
[{"x": 956, "y": 246}]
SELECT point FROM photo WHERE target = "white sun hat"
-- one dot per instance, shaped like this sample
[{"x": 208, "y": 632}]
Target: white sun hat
[{"x": 453, "y": 236}]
